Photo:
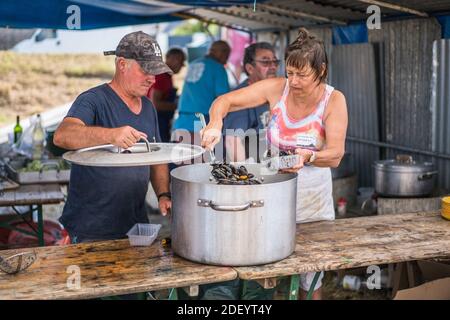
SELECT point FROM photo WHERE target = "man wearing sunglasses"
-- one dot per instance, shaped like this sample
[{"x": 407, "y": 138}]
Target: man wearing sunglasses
[{"x": 259, "y": 63}]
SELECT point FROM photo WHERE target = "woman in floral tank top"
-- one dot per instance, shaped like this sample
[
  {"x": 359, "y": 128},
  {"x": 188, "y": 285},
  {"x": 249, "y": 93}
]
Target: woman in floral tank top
[{"x": 308, "y": 117}]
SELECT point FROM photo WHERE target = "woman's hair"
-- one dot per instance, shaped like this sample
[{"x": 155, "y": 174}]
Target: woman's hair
[{"x": 307, "y": 50}]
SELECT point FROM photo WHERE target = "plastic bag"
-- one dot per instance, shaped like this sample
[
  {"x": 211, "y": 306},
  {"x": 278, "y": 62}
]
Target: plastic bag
[{"x": 27, "y": 144}]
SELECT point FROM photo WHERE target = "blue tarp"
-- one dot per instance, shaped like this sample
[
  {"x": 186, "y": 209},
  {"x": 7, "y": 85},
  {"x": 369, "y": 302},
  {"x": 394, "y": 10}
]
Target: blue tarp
[
  {"x": 358, "y": 33},
  {"x": 445, "y": 24},
  {"x": 53, "y": 14},
  {"x": 355, "y": 33}
]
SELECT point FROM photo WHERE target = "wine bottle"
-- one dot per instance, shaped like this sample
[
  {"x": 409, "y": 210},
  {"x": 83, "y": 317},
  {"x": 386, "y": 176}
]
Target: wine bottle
[{"x": 17, "y": 130}]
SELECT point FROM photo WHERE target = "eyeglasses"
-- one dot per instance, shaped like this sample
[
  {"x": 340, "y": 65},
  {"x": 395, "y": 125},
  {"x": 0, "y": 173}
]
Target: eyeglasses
[{"x": 267, "y": 63}]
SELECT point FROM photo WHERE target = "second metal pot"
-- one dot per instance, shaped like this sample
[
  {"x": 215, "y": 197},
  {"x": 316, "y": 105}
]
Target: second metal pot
[
  {"x": 234, "y": 225},
  {"x": 404, "y": 177}
]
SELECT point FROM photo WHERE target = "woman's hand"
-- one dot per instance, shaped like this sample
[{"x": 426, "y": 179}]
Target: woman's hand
[
  {"x": 305, "y": 155},
  {"x": 210, "y": 135}
]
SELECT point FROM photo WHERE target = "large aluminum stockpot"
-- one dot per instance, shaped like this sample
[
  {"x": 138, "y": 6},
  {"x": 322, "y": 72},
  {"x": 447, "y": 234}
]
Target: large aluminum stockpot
[
  {"x": 404, "y": 178},
  {"x": 234, "y": 225}
]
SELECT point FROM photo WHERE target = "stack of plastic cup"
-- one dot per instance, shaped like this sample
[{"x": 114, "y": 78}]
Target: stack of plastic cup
[{"x": 445, "y": 211}]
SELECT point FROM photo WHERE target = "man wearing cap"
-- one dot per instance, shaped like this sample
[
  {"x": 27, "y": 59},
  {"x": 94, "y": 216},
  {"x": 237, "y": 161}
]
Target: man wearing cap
[{"x": 104, "y": 203}]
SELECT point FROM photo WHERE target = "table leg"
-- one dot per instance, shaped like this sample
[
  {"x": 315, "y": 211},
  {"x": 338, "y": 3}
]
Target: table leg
[
  {"x": 40, "y": 226},
  {"x": 313, "y": 285},
  {"x": 173, "y": 295},
  {"x": 293, "y": 287},
  {"x": 7, "y": 224},
  {"x": 243, "y": 288},
  {"x": 141, "y": 296}
]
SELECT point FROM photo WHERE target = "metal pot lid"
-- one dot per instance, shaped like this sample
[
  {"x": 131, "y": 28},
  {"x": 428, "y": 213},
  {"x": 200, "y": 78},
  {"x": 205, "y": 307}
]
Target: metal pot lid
[
  {"x": 141, "y": 154},
  {"x": 403, "y": 164}
]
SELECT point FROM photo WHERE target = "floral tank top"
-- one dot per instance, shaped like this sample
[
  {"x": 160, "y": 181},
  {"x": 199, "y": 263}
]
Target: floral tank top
[{"x": 285, "y": 133}]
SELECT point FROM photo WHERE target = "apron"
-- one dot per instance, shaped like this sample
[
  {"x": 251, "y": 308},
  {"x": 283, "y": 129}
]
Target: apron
[{"x": 314, "y": 195}]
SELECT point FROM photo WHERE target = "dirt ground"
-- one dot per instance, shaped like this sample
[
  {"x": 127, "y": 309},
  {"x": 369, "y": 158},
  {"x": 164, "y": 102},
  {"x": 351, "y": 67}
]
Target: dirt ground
[{"x": 33, "y": 83}]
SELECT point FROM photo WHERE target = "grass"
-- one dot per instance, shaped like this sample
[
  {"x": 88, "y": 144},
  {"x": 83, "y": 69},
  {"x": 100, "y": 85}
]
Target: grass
[{"x": 32, "y": 83}]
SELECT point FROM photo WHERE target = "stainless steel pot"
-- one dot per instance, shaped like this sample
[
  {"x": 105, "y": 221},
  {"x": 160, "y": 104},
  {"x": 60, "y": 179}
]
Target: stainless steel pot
[
  {"x": 404, "y": 177},
  {"x": 234, "y": 225}
]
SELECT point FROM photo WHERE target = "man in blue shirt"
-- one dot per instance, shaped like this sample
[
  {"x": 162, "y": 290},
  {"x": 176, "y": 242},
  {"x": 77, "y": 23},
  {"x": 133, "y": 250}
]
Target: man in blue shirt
[
  {"x": 259, "y": 63},
  {"x": 104, "y": 203},
  {"x": 206, "y": 79}
]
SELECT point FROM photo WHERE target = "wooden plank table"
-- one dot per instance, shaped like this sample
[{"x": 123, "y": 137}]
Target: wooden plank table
[
  {"x": 107, "y": 268},
  {"x": 114, "y": 268},
  {"x": 31, "y": 195},
  {"x": 359, "y": 242}
]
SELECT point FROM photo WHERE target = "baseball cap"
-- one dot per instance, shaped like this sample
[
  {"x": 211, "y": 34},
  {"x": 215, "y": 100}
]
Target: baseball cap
[{"x": 144, "y": 49}]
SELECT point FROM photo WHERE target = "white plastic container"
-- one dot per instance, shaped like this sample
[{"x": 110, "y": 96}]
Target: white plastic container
[
  {"x": 351, "y": 282},
  {"x": 143, "y": 234},
  {"x": 283, "y": 162}
]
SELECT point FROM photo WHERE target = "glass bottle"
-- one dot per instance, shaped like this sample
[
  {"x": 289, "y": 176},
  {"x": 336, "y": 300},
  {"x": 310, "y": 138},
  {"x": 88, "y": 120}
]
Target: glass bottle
[
  {"x": 38, "y": 139},
  {"x": 17, "y": 130}
]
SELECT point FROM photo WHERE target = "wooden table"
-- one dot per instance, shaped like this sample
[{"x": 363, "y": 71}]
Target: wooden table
[
  {"x": 106, "y": 268},
  {"x": 358, "y": 242},
  {"x": 114, "y": 268},
  {"x": 31, "y": 195}
]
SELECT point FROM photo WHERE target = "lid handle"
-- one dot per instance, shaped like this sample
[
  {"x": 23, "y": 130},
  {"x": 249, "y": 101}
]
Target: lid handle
[
  {"x": 119, "y": 149},
  {"x": 404, "y": 158}
]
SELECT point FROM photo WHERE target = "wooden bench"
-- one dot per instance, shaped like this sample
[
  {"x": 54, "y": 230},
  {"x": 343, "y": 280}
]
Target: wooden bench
[{"x": 34, "y": 196}]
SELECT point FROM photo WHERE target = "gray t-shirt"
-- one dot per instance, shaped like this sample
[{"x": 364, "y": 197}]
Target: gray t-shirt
[{"x": 105, "y": 202}]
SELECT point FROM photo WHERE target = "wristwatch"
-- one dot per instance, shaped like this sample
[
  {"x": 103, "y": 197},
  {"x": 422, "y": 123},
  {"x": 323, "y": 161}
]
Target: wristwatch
[{"x": 165, "y": 194}]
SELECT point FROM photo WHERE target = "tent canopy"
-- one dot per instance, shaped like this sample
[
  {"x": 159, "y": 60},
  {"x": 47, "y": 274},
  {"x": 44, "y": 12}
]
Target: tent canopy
[
  {"x": 59, "y": 14},
  {"x": 250, "y": 15}
]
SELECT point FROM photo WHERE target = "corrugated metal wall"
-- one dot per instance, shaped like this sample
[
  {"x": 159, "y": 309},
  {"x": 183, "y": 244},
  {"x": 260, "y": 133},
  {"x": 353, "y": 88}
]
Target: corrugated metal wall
[
  {"x": 388, "y": 85},
  {"x": 408, "y": 53},
  {"x": 440, "y": 107},
  {"x": 355, "y": 73}
]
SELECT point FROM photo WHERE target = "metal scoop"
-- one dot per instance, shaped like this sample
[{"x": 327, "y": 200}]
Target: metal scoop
[
  {"x": 17, "y": 262},
  {"x": 203, "y": 122}
]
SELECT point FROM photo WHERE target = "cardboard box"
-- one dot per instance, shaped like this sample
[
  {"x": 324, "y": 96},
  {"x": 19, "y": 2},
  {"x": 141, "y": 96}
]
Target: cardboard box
[
  {"x": 436, "y": 286},
  {"x": 433, "y": 290}
]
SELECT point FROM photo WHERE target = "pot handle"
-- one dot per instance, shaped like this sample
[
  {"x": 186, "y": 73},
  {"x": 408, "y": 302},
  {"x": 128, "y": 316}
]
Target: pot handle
[
  {"x": 241, "y": 207},
  {"x": 426, "y": 175},
  {"x": 49, "y": 165}
]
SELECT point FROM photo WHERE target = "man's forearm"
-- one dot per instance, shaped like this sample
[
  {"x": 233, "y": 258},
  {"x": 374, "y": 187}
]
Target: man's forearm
[
  {"x": 76, "y": 136},
  {"x": 159, "y": 177}
]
